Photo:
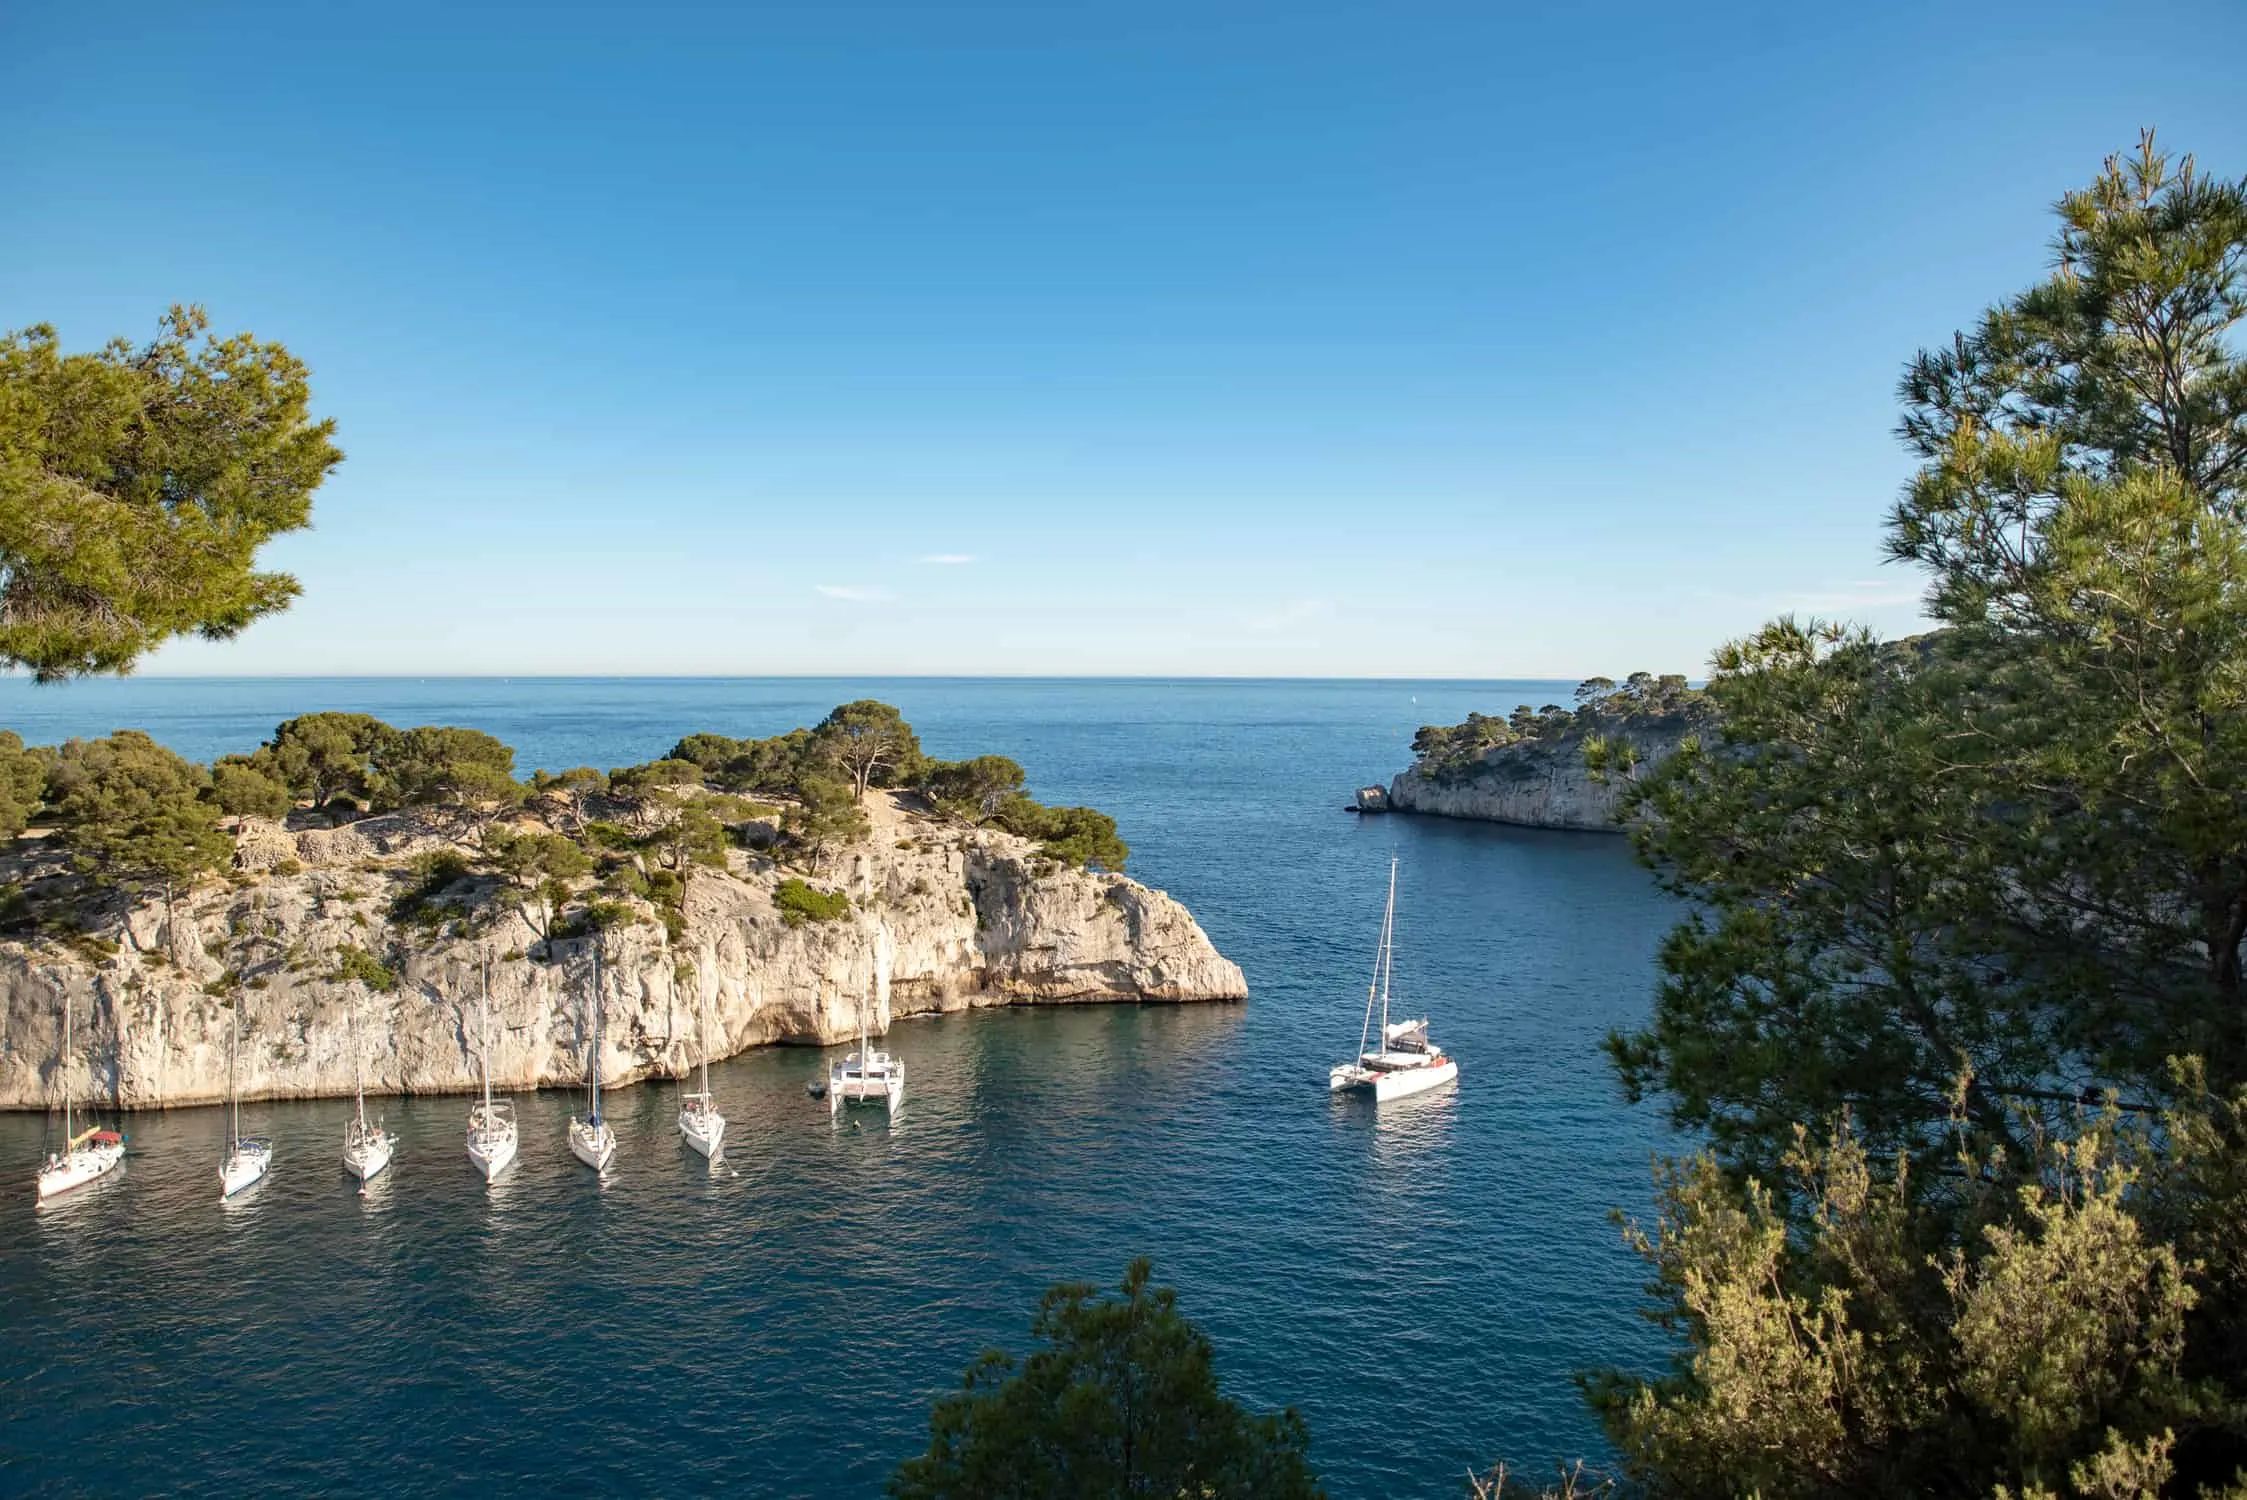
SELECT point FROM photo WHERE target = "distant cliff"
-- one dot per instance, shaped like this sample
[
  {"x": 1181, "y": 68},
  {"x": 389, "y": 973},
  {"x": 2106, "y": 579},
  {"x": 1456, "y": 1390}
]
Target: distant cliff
[
  {"x": 1530, "y": 769},
  {"x": 311, "y": 925}
]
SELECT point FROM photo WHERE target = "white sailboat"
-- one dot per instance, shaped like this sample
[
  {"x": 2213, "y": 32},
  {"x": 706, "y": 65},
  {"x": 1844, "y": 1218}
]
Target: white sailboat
[
  {"x": 366, "y": 1148},
  {"x": 866, "y": 1076},
  {"x": 1405, "y": 1062},
  {"x": 491, "y": 1124},
  {"x": 700, "y": 1124},
  {"x": 84, "y": 1155},
  {"x": 247, "y": 1157},
  {"x": 592, "y": 1140}
]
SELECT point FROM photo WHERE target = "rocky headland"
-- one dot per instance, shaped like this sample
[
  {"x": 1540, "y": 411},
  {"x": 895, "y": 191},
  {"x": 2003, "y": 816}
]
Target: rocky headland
[
  {"x": 1530, "y": 769},
  {"x": 399, "y": 917}
]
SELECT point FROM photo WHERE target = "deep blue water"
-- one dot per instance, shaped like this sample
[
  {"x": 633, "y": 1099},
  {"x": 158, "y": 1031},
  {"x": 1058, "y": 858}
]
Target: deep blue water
[{"x": 1421, "y": 1283}]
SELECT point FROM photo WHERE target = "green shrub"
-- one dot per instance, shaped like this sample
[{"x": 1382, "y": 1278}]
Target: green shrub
[{"x": 799, "y": 903}]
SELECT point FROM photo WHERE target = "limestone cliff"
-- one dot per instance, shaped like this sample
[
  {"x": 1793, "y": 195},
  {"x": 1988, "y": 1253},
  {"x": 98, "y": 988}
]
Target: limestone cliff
[
  {"x": 942, "y": 917},
  {"x": 1537, "y": 783}
]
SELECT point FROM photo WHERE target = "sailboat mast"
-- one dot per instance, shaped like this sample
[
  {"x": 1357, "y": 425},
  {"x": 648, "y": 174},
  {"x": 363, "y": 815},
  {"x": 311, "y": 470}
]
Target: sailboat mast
[
  {"x": 233, "y": 1052},
  {"x": 593, "y": 1054},
  {"x": 358, "y": 1070},
  {"x": 702, "y": 1028},
  {"x": 484, "y": 1026},
  {"x": 62, "y": 1066},
  {"x": 1388, "y": 950}
]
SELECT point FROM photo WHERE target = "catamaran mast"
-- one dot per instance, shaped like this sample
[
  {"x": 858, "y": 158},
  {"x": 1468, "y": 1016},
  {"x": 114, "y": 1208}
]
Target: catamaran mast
[{"x": 1388, "y": 951}]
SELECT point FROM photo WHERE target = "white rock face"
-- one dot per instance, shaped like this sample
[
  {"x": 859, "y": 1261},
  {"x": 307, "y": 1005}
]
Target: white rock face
[
  {"x": 1542, "y": 784},
  {"x": 963, "y": 917}
]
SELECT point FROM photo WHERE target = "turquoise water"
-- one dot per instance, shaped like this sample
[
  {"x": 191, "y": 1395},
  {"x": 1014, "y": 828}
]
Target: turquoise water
[{"x": 1421, "y": 1283}]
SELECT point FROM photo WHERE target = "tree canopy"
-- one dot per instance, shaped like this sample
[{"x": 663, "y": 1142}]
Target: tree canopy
[
  {"x": 1120, "y": 1399},
  {"x": 137, "y": 485},
  {"x": 134, "y": 813},
  {"x": 324, "y": 756},
  {"x": 1970, "y": 910},
  {"x": 866, "y": 741},
  {"x": 444, "y": 766}
]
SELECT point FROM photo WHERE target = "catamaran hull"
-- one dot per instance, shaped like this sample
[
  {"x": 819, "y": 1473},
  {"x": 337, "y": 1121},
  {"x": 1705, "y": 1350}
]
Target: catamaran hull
[
  {"x": 77, "y": 1169},
  {"x": 492, "y": 1157},
  {"x": 889, "y": 1095},
  {"x": 592, "y": 1146},
  {"x": 1382, "y": 1085}
]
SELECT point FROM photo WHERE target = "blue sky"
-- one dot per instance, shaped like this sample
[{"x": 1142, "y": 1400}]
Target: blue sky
[{"x": 1306, "y": 339}]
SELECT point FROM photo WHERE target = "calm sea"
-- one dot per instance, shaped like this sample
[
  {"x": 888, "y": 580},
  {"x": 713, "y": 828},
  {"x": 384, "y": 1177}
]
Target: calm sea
[{"x": 1421, "y": 1283}]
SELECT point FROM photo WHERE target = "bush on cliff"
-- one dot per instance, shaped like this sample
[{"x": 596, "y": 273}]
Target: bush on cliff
[
  {"x": 1120, "y": 1399},
  {"x": 798, "y": 903}
]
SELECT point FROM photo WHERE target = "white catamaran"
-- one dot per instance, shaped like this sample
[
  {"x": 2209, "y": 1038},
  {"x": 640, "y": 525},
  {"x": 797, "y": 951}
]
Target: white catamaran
[
  {"x": 592, "y": 1141},
  {"x": 866, "y": 1075},
  {"x": 1406, "y": 1062},
  {"x": 700, "y": 1124},
  {"x": 366, "y": 1148},
  {"x": 247, "y": 1156},
  {"x": 491, "y": 1124},
  {"x": 86, "y": 1154}
]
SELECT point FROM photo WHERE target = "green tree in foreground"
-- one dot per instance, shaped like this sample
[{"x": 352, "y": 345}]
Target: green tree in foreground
[
  {"x": 326, "y": 756},
  {"x": 973, "y": 789},
  {"x": 137, "y": 485},
  {"x": 461, "y": 771},
  {"x": 244, "y": 787},
  {"x": 1120, "y": 1400}
]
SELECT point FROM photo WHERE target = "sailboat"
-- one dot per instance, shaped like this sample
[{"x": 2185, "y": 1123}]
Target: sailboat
[
  {"x": 865, "y": 1075},
  {"x": 247, "y": 1156},
  {"x": 592, "y": 1141},
  {"x": 366, "y": 1148},
  {"x": 1405, "y": 1062},
  {"x": 84, "y": 1155},
  {"x": 491, "y": 1124},
  {"x": 699, "y": 1121}
]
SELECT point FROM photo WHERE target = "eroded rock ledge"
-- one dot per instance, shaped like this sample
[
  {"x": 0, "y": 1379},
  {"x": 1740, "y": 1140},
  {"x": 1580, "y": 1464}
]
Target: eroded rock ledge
[{"x": 942, "y": 918}]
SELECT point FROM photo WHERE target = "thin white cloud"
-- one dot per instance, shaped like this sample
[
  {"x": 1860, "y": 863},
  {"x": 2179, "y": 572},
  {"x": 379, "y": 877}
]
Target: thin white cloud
[
  {"x": 948, "y": 559},
  {"x": 1294, "y": 613},
  {"x": 856, "y": 593}
]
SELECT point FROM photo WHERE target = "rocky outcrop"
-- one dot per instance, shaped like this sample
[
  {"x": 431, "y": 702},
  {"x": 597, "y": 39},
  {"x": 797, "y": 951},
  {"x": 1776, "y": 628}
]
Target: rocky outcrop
[
  {"x": 1540, "y": 783},
  {"x": 941, "y": 918}
]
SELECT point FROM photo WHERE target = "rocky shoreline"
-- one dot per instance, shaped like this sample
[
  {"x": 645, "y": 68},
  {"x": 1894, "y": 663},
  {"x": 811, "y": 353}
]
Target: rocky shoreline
[{"x": 942, "y": 917}]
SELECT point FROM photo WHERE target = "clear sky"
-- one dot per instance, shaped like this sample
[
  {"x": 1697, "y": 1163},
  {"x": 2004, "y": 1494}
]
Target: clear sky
[{"x": 1306, "y": 338}]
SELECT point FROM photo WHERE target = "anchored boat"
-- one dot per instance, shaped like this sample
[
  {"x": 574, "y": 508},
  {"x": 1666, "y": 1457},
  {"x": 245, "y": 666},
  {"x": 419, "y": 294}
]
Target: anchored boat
[
  {"x": 366, "y": 1147},
  {"x": 247, "y": 1157},
  {"x": 700, "y": 1124},
  {"x": 1405, "y": 1062},
  {"x": 592, "y": 1140},
  {"x": 491, "y": 1124},
  {"x": 85, "y": 1154}
]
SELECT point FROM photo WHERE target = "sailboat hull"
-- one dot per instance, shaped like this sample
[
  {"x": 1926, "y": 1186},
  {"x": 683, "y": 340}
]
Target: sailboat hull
[
  {"x": 492, "y": 1154},
  {"x": 704, "y": 1133},
  {"x": 592, "y": 1144},
  {"x": 1383, "y": 1084},
  {"x": 74, "y": 1169},
  {"x": 245, "y": 1166},
  {"x": 368, "y": 1160}
]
